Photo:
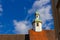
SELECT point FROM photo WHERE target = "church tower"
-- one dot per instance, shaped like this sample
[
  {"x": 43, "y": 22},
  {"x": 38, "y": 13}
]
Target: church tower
[
  {"x": 37, "y": 33},
  {"x": 37, "y": 23}
]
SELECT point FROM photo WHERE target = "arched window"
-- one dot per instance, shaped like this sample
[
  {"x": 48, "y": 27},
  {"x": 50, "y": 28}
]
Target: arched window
[{"x": 37, "y": 24}]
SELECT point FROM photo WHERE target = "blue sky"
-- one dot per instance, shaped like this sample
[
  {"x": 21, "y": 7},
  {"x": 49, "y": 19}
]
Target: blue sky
[{"x": 16, "y": 16}]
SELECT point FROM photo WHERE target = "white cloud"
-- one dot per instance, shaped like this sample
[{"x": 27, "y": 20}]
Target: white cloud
[
  {"x": 22, "y": 27},
  {"x": 47, "y": 26},
  {"x": 37, "y": 4},
  {"x": 45, "y": 13},
  {"x": 40, "y": 3}
]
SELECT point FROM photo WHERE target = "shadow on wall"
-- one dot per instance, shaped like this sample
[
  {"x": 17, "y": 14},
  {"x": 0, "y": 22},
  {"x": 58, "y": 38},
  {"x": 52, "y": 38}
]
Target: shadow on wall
[{"x": 27, "y": 37}]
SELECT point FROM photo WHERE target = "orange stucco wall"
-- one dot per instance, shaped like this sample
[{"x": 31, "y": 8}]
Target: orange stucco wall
[{"x": 37, "y": 35}]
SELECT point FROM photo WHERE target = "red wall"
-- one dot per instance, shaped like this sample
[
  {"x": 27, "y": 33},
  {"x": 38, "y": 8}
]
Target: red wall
[{"x": 44, "y": 35}]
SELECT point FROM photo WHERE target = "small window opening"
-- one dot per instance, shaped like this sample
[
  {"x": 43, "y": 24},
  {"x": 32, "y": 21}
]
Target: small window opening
[{"x": 37, "y": 24}]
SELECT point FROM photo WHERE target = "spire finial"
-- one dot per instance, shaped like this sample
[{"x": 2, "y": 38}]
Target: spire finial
[{"x": 37, "y": 13}]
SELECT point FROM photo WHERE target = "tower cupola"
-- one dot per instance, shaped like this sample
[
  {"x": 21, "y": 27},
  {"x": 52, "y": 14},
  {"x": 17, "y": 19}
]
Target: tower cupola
[{"x": 37, "y": 23}]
